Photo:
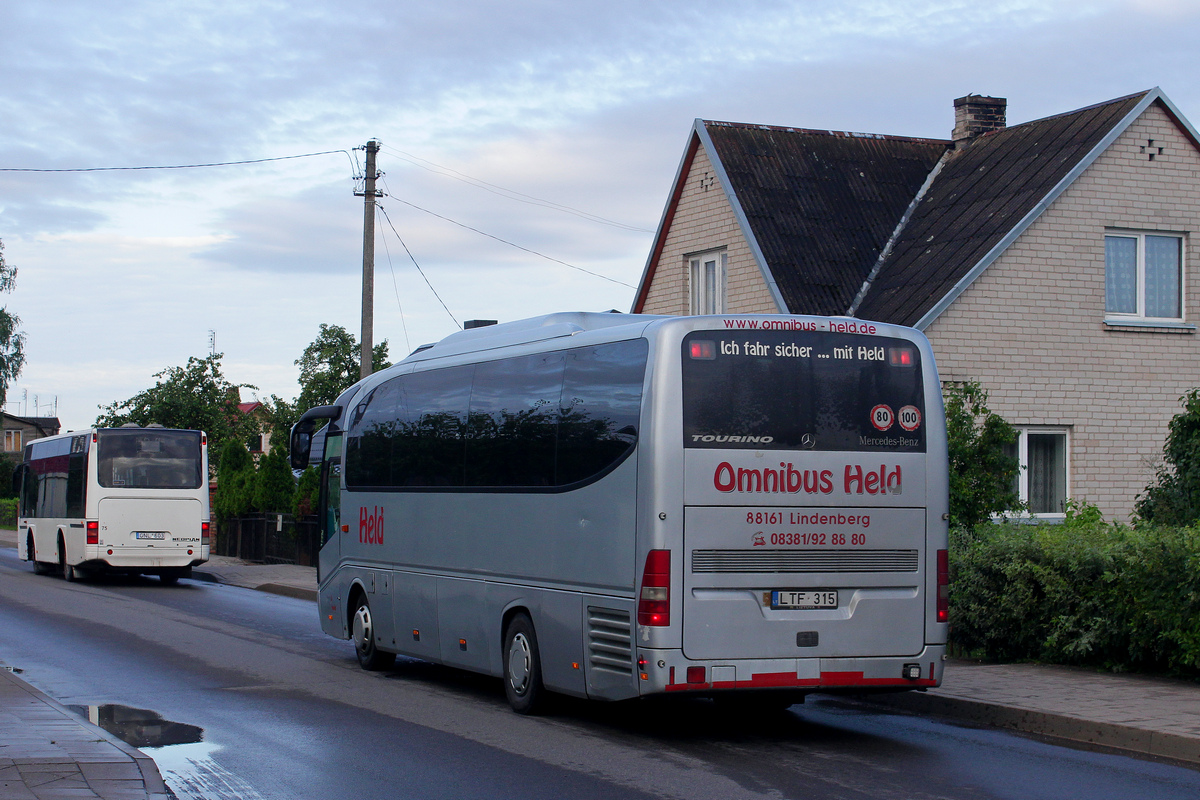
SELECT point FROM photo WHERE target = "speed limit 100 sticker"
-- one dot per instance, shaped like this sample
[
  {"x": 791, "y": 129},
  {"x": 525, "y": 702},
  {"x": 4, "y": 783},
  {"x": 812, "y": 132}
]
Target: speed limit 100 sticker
[
  {"x": 910, "y": 418},
  {"x": 882, "y": 417}
]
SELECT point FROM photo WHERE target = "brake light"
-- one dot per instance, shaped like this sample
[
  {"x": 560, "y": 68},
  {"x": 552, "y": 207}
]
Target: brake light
[
  {"x": 93, "y": 533},
  {"x": 703, "y": 349},
  {"x": 943, "y": 585},
  {"x": 654, "y": 603},
  {"x": 901, "y": 357},
  {"x": 203, "y": 533}
]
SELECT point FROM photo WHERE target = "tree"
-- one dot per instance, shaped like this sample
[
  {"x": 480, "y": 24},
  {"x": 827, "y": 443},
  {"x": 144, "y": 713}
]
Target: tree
[
  {"x": 307, "y": 491},
  {"x": 274, "y": 485},
  {"x": 982, "y": 474},
  {"x": 331, "y": 365},
  {"x": 235, "y": 481},
  {"x": 195, "y": 396},
  {"x": 12, "y": 341},
  {"x": 1174, "y": 497}
]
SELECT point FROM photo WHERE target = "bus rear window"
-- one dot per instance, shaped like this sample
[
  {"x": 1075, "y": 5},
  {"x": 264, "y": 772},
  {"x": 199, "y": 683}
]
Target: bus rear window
[
  {"x": 149, "y": 459},
  {"x": 802, "y": 390}
]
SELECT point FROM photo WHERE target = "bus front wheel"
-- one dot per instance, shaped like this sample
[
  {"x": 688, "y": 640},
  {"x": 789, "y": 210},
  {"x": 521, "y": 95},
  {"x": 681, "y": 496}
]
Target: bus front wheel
[
  {"x": 522, "y": 666},
  {"x": 362, "y": 630},
  {"x": 39, "y": 568}
]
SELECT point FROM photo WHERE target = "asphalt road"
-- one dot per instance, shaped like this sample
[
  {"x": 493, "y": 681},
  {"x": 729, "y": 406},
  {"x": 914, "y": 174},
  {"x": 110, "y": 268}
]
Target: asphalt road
[{"x": 285, "y": 712}]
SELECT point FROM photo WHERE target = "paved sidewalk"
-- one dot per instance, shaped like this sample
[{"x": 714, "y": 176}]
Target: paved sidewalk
[
  {"x": 1146, "y": 715},
  {"x": 48, "y": 753}
]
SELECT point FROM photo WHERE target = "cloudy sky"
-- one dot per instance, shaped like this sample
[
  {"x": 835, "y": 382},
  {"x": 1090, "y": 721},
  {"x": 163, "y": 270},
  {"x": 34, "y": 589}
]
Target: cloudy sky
[{"x": 555, "y": 127}]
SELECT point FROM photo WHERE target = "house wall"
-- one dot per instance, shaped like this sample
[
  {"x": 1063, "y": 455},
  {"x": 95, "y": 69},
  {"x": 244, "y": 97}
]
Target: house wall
[
  {"x": 703, "y": 221},
  {"x": 1031, "y": 327}
]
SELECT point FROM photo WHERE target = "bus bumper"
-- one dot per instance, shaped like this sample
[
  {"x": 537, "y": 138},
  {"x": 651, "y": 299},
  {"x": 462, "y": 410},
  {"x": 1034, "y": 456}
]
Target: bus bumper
[{"x": 669, "y": 671}]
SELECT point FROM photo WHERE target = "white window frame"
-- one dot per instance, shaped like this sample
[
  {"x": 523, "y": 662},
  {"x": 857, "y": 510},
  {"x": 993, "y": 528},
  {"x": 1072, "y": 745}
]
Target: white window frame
[
  {"x": 1023, "y": 433},
  {"x": 1139, "y": 316},
  {"x": 705, "y": 297},
  {"x": 11, "y": 437}
]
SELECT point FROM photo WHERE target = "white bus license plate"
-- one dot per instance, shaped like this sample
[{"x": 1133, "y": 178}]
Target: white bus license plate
[
  {"x": 149, "y": 535},
  {"x": 822, "y": 598}
]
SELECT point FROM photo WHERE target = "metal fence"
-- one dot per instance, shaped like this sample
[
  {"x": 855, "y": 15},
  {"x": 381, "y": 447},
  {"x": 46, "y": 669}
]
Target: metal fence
[{"x": 268, "y": 539}]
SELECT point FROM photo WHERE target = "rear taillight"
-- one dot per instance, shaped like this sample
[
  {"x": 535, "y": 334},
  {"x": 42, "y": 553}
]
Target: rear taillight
[
  {"x": 654, "y": 603},
  {"x": 943, "y": 585},
  {"x": 93, "y": 533},
  {"x": 203, "y": 533}
]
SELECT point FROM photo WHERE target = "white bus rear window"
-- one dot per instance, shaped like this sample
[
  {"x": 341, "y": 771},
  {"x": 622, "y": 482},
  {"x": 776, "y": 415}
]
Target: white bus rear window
[
  {"x": 785, "y": 390},
  {"x": 149, "y": 459}
]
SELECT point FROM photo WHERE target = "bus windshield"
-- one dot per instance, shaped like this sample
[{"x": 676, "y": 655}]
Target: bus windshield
[
  {"x": 149, "y": 459},
  {"x": 802, "y": 390}
]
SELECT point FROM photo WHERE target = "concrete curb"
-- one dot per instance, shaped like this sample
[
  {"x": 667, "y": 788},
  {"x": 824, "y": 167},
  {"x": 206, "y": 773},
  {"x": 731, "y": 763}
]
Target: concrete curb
[
  {"x": 1044, "y": 723},
  {"x": 151, "y": 777},
  {"x": 271, "y": 588}
]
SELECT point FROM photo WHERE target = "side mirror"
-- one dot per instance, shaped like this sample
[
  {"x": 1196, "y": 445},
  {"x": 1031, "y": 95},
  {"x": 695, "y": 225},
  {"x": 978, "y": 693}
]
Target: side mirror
[
  {"x": 18, "y": 480},
  {"x": 302, "y": 433}
]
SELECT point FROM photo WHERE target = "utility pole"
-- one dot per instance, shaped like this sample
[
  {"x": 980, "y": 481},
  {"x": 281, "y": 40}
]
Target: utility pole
[{"x": 368, "y": 287}]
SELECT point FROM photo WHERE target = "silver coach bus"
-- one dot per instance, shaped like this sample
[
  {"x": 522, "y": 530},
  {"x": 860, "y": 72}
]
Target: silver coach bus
[{"x": 612, "y": 505}]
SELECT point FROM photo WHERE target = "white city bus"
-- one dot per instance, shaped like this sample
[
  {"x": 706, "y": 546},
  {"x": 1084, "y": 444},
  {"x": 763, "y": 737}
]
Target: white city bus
[
  {"x": 611, "y": 505},
  {"x": 129, "y": 499}
]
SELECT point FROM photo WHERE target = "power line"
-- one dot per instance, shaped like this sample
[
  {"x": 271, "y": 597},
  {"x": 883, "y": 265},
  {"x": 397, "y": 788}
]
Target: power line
[
  {"x": 383, "y": 211},
  {"x": 396, "y": 287},
  {"x": 177, "y": 166},
  {"x": 511, "y": 194},
  {"x": 511, "y": 244}
]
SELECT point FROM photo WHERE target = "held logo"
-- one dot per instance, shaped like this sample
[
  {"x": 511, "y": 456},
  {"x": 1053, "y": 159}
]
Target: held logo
[
  {"x": 789, "y": 480},
  {"x": 370, "y": 525}
]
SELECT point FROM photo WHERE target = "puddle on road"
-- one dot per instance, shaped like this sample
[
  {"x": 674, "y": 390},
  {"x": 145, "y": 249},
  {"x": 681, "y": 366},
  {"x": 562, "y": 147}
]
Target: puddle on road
[{"x": 184, "y": 759}]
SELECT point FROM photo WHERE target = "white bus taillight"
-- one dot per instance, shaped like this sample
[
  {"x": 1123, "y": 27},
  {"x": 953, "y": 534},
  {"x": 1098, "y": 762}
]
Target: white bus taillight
[
  {"x": 943, "y": 585},
  {"x": 203, "y": 533},
  {"x": 93, "y": 532},
  {"x": 654, "y": 603}
]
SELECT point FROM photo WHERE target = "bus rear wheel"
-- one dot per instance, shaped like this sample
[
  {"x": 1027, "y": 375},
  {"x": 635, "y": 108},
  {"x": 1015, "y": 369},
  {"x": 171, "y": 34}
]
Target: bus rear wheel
[
  {"x": 69, "y": 572},
  {"x": 362, "y": 631},
  {"x": 522, "y": 666}
]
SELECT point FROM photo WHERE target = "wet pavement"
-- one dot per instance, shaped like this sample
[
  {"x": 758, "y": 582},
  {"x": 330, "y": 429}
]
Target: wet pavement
[{"x": 48, "y": 752}]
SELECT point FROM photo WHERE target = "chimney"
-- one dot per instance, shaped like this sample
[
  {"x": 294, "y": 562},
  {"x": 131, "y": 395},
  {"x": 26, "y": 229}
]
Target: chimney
[{"x": 975, "y": 114}]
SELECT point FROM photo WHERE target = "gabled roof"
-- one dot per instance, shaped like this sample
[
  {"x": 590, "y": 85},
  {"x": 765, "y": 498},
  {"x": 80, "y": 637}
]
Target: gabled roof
[
  {"x": 890, "y": 228},
  {"x": 819, "y": 204},
  {"x": 978, "y": 202}
]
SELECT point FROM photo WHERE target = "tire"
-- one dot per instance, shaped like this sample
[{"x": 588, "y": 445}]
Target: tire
[
  {"x": 39, "y": 568},
  {"x": 362, "y": 631},
  {"x": 522, "y": 666},
  {"x": 69, "y": 573}
]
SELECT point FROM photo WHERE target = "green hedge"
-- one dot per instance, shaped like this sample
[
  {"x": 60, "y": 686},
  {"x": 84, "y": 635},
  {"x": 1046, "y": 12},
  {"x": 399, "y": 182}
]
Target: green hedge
[
  {"x": 1087, "y": 593},
  {"x": 8, "y": 513}
]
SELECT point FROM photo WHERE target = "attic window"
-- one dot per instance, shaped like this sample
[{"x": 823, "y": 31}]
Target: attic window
[
  {"x": 1143, "y": 276},
  {"x": 706, "y": 276}
]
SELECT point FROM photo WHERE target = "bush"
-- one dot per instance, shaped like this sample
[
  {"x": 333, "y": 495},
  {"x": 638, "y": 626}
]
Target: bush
[
  {"x": 982, "y": 474},
  {"x": 1174, "y": 497},
  {"x": 235, "y": 481},
  {"x": 274, "y": 485},
  {"x": 1084, "y": 593},
  {"x": 307, "y": 491},
  {"x": 8, "y": 513}
]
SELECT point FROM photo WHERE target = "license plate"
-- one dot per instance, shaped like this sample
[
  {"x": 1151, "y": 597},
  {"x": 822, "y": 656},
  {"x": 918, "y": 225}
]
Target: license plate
[
  {"x": 820, "y": 598},
  {"x": 149, "y": 534}
]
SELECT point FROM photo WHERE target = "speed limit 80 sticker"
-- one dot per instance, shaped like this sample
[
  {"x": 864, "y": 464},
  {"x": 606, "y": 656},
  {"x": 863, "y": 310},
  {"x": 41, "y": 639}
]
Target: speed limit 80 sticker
[{"x": 882, "y": 417}]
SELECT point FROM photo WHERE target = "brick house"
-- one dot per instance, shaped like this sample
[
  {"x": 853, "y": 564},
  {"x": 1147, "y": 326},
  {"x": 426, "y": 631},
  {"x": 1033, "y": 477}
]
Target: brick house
[
  {"x": 20, "y": 431},
  {"x": 1047, "y": 260}
]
